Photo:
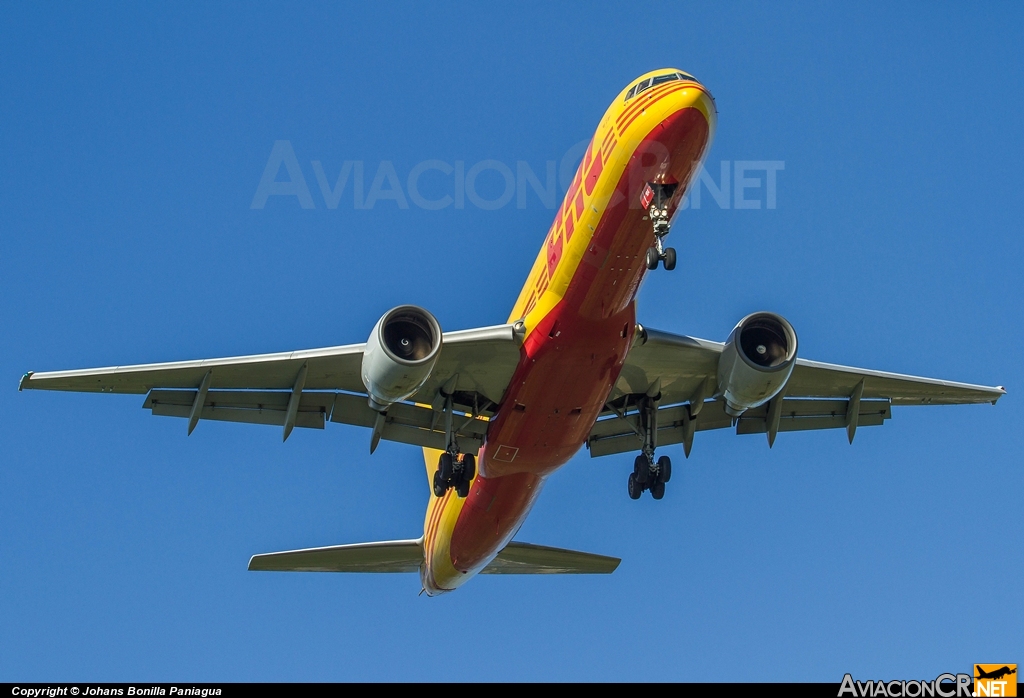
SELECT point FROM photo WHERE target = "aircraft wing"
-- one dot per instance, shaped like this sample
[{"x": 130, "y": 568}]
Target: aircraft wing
[
  {"x": 817, "y": 396},
  {"x": 305, "y": 388}
]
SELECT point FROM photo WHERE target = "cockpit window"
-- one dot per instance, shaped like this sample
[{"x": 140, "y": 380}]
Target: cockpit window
[
  {"x": 657, "y": 80},
  {"x": 637, "y": 89}
]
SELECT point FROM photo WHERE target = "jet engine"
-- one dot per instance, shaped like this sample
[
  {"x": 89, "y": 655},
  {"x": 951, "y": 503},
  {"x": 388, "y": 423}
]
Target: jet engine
[
  {"x": 400, "y": 354},
  {"x": 757, "y": 361}
]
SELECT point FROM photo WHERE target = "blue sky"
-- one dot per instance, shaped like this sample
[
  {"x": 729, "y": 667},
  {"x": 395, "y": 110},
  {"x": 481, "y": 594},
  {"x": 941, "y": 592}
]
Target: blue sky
[{"x": 133, "y": 139}]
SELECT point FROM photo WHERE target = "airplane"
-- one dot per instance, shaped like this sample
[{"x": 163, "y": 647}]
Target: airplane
[
  {"x": 996, "y": 674},
  {"x": 497, "y": 409}
]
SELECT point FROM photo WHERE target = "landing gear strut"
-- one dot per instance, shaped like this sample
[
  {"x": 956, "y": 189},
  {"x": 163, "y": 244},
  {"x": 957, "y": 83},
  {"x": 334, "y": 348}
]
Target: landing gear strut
[
  {"x": 648, "y": 473},
  {"x": 454, "y": 469},
  {"x": 658, "y": 212}
]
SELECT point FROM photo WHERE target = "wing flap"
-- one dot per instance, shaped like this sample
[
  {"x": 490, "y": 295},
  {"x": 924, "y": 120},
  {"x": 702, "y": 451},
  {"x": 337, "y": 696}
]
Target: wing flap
[
  {"x": 309, "y": 420},
  {"x": 385, "y": 556},
  {"x": 242, "y": 399},
  {"x": 526, "y": 558},
  {"x": 804, "y": 415},
  {"x": 247, "y": 406},
  {"x": 417, "y": 425}
]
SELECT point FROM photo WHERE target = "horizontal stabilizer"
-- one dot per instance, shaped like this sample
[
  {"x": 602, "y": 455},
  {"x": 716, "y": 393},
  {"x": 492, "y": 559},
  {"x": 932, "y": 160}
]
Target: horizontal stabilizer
[
  {"x": 385, "y": 556},
  {"x": 526, "y": 558},
  {"x": 407, "y": 555}
]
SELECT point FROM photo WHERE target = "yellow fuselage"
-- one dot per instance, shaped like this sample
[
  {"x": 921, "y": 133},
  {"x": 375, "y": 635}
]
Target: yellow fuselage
[{"x": 578, "y": 308}]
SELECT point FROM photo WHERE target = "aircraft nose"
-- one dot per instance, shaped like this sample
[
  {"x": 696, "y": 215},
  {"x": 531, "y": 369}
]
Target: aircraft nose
[{"x": 699, "y": 97}]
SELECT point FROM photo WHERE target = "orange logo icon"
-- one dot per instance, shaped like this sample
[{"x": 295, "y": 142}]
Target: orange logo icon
[{"x": 995, "y": 680}]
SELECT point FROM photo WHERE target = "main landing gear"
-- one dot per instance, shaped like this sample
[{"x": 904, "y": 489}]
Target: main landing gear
[
  {"x": 658, "y": 213},
  {"x": 648, "y": 473},
  {"x": 454, "y": 469}
]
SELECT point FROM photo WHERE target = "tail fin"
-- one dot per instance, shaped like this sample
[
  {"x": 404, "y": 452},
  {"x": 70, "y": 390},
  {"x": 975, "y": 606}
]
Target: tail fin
[{"x": 384, "y": 556}]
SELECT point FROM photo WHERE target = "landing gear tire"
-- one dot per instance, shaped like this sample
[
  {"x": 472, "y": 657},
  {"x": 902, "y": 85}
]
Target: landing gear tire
[
  {"x": 439, "y": 485},
  {"x": 634, "y": 488},
  {"x": 641, "y": 470},
  {"x": 664, "y": 470},
  {"x": 445, "y": 466},
  {"x": 465, "y": 476},
  {"x": 652, "y": 258},
  {"x": 658, "y": 490},
  {"x": 670, "y": 258}
]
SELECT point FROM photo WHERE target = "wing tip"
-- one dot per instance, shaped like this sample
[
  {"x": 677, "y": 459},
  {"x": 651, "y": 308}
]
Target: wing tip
[
  {"x": 24, "y": 379},
  {"x": 608, "y": 564},
  {"x": 1002, "y": 391}
]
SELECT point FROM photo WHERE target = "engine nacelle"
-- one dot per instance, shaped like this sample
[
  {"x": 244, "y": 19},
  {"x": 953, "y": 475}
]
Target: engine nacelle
[
  {"x": 757, "y": 361},
  {"x": 400, "y": 354}
]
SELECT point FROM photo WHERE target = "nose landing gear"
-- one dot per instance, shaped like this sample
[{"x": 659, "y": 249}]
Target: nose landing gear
[
  {"x": 657, "y": 210},
  {"x": 660, "y": 253}
]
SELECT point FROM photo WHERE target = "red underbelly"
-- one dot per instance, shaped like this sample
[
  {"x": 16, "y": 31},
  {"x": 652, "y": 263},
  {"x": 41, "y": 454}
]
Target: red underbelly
[
  {"x": 571, "y": 360},
  {"x": 556, "y": 395}
]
